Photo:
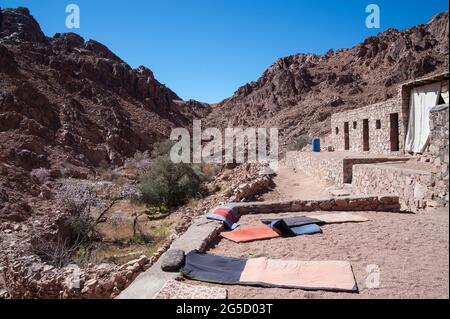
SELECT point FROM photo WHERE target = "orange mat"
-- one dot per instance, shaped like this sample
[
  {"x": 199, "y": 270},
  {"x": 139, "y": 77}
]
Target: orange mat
[{"x": 242, "y": 235}]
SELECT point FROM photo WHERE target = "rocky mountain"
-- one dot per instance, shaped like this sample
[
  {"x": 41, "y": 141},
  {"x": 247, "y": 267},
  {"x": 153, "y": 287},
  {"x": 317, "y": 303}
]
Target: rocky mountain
[
  {"x": 298, "y": 93},
  {"x": 72, "y": 106}
]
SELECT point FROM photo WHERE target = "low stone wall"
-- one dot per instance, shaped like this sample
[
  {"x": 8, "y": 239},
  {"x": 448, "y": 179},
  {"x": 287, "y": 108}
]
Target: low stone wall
[
  {"x": 29, "y": 278},
  {"x": 328, "y": 169},
  {"x": 385, "y": 203},
  {"x": 413, "y": 187},
  {"x": 439, "y": 151},
  {"x": 334, "y": 168},
  {"x": 349, "y": 163},
  {"x": 197, "y": 237}
]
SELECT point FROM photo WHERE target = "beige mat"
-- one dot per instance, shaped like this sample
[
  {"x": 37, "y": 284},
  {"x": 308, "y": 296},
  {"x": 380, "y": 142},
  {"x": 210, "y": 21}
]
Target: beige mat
[
  {"x": 336, "y": 218},
  {"x": 314, "y": 275},
  {"x": 178, "y": 290}
]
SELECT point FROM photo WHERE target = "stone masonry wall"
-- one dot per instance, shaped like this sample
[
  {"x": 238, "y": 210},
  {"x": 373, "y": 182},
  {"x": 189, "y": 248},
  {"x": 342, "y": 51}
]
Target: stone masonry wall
[
  {"x": 332, "y": 168},
  {"x": 379, "y": 137},
  {"x": 328, "y": 169},
  {"x": 383, "y": 203},
  {"x": 413, "y": 187},
  {"x": 439, "y": 151}
]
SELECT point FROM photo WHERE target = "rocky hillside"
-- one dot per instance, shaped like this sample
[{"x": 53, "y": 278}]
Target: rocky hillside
[
  {"x": 298, "y": 93},
  {"x": 72, "y": 106}
]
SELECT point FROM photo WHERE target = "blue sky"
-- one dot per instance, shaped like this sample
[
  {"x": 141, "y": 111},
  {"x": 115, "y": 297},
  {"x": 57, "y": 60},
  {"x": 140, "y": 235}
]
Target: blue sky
[{"x": 206, "y": 49}]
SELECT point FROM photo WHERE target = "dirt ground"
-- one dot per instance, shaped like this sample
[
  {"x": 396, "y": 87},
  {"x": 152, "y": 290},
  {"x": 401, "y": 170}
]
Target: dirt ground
[
  {"x": 411, "y": 250},
  {"x": 291, "y": 185}
]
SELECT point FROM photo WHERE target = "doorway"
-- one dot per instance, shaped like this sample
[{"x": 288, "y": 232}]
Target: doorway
[
  {"x": 346, "y": 136},
  {"x": 393, "y": 117},
  {"x": 366, "y": 145}
]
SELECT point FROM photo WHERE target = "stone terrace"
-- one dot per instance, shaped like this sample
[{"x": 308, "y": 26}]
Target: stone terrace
[{"x": 334, "y": 168}]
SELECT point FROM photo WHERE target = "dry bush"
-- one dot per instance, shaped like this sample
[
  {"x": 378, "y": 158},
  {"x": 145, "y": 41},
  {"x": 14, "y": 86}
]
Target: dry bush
[
  {"x": 74, "y": 241},
  {"x": 299, "y": 143},
  {"x": 62, "y": 252},
  {"x": 40, "y": 175},
  {"x": 140, "y": 161},
  {"x": 210, "y": 170}
]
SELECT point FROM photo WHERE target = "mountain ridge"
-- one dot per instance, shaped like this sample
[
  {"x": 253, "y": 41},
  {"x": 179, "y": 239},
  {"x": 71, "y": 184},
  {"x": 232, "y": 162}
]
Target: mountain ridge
[
  {"x": 73, "y": 107},
  {"x": 311, "y": 87}
]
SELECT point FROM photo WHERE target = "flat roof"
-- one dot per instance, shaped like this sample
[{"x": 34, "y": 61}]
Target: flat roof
[{"x": 427, "y": 80}]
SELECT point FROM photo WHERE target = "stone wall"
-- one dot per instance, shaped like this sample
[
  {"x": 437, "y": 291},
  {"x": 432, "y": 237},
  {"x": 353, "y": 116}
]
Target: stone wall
[
  {"x": 439, "y": 152},
  {"x": 332, "y": 168},
  {"x": 328, "y": 169},
  {"x": 378, "y": 118},
  {"x": 384, "y": 203},
  {"x": 413, "y": 187}
]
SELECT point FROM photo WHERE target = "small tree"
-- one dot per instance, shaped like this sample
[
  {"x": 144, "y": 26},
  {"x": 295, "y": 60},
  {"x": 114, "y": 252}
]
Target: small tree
[
  {"x": 74, "y": 241},
  {"x": 162, "y": 149},
  {"x": 169, "y": 184}
]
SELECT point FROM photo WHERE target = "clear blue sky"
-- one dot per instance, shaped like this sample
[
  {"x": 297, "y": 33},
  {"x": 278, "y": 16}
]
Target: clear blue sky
[{"x": 206, "y": 49}]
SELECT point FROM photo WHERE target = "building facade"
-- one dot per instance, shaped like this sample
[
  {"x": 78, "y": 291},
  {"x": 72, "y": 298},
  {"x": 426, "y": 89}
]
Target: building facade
[{"x": 383, "y": 127}]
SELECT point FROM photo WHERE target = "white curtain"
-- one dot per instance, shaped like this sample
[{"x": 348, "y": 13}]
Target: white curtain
[
  {"x": 423, "y": 98},
  {"x": 445, "y": 96}
]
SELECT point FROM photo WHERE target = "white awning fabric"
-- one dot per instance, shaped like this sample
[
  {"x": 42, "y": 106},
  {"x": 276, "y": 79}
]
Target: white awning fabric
[{"x": 423, "y": 98}]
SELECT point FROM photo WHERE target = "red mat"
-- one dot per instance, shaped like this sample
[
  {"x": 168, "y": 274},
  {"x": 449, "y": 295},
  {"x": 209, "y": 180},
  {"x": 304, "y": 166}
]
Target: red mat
[{"x": 242, "y": 235}]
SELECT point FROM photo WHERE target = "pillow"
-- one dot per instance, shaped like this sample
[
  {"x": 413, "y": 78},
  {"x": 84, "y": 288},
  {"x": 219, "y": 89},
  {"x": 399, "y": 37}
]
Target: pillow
[{"x": 226, "y": 214}]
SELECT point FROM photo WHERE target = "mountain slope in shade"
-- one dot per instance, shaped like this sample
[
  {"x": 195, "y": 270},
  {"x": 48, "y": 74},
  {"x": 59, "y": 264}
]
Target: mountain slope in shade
[
  {"x": 298, "y": 93},
  {"x": 72, "y": 106}
]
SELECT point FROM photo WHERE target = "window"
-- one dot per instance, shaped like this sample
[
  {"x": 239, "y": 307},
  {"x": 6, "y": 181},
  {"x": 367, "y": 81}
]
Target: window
[
  {"x": 378, "y": 124},
  {"x": 337, "y": 130},
  {"x": 355, "y": 125}
]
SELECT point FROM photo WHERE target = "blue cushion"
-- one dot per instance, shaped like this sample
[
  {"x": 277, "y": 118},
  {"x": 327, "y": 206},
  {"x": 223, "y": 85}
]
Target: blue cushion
[{"x": 306, "y": 229}]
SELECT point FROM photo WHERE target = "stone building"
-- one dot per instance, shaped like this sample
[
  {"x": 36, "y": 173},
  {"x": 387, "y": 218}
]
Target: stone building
[
  {"x": 397, "y": 147},
  {"x": 393, "y": 126}
]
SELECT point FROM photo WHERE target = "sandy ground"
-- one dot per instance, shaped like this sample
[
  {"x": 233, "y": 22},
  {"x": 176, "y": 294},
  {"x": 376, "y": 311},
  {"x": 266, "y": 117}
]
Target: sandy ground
[
  {"x": 291, "y": 185},
  {"x": 411, "y": 250}
]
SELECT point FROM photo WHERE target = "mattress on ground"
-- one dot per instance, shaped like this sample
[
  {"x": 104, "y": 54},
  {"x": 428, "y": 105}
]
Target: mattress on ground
[
  {"x": 294, "y": 221},
  {"x": 310, "y": 275},
  {"x": 336, "y": 218},
  {"x": 242, "y": 235},
  {"x": 281, "y": 227},
  {"x": 213, "y": 268},
  {"x": 173, "y": 289}
]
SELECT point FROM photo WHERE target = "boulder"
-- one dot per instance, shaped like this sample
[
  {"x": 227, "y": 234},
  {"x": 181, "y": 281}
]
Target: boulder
[{"x": 173, "y": 260}]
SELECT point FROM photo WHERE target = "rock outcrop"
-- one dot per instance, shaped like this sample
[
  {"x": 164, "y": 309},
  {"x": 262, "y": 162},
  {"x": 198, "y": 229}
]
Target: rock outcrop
[
  {"x": 72, "y": 106},
  {"x": 298, "y": 93}
]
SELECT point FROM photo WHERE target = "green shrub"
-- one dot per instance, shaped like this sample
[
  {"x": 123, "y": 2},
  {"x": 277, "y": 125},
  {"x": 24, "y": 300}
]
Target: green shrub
[
  {"x": 163, "y": 148},
  {"x": 170, "y": 184}
]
